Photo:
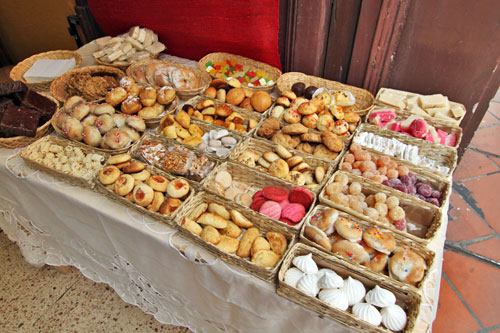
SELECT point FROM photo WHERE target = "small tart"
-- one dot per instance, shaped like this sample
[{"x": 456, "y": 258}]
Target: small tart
[
  {"x": 177, "y": 188},
  {"x": 108, "y": 175},
  {"x": 158, "y": 183},
  {"x": 143, "y": 195},
  {"x": 124, "y": 184}
]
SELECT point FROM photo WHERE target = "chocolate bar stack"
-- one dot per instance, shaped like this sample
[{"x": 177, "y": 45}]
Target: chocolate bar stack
[{"x": 22, "y": 110}]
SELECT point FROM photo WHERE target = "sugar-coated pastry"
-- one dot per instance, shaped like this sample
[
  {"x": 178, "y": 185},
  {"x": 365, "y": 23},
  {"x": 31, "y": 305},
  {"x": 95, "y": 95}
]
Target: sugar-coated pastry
[
  {"x": 104, "y": 123},
  {"x": 147, "y": 96},
  {"x": 158, "y": 200},
  {"x": 72, "y": 102},
  {"x": 116, "y": 139},
  {"x": 367, "y": 312},
  {"x": 166, "y": 95},
  {"x": 120, "y": 158},
  {"x": 378, "y": 262},
  {"x": 394, "y": 318},
  {"x": 407, "y": 266},
  {"x": 177, "y": 188},
  {"x": 306, "y": 264},
  {"x": 136, "y": 123},
  {"x": 116, "y": 96},
  {"x": 381, "y": 241},
  {"x": 192, "y": 226},
  {"x": 158, "y": 183},
  {"x": 91, "y": 136},
  {"x": 266, "y": 258},
  {"x": 210, "y": 235},
  {"x": 126, "y": 81},
  {"x": 59, "y": 118},
  {"x": 72, "y": 128},
  {"x": 124, "y": 185},
  {"x": 131, "y": 105},
  {"x": 348, "y": 229},
  {"x": 380, "y": 297},
  {"x": 351, "y": 251},
  {"x": 89, "y": 120},
  {"x": 239, "y": 219},
  {"x": 169, "y": 206},
  {"x": 108, "y": 175},
  {"x": 80, "y": 111},
  {"x": 354, "y": 290}
]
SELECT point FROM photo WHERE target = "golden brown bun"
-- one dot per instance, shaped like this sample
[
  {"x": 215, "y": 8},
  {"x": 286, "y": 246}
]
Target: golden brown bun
[
  {"x": 148, "y": 96},
  {"x": 261, "y": 101},
  {"x": 116, "y": 96},
  {"x": 235, "y": 96},
  {"x": 211, "y": 92}
]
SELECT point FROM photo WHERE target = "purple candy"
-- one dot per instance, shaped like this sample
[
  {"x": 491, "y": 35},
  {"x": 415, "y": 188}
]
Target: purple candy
[
  {"x": 425, "y": 190},
  {"x": 421, "y": 197},
  {"x": 411, "y": 189},
  {"x": 401, "y": 187},
  {"x": 387, "y": 182},
  {"x": 413, "y": 178},
  {"x": 433, "y": 201},
  {"x": 405, "y": 179},
  {"x": 436, "y": 194}
]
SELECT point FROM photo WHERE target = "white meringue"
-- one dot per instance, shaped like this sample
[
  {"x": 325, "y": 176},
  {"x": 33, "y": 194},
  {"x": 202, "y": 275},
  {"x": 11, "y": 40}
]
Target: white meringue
[
  {"x": 330, "y": 279},
  {"x": 292, "y": 276},
  {"x": 306, "y": 264},
  {"x": 394, "y": 318},
  {"x": 334, "y": 297},
  {"x": 217, "y": 134},
  {"x": 380, "y": 297},
  {"x": 354, "y": 290},
  {"x": 367, "y": 312},
  {"x": 309, "y": 284}
]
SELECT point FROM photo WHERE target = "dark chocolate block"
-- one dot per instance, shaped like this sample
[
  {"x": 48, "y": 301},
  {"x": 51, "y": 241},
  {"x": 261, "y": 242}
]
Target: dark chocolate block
[
  {"x": 4, "y": 103},
  {"x": 14, "y": 91},
  {"x": 19, "y": 121},
  {"x": 36, "y": 101}
]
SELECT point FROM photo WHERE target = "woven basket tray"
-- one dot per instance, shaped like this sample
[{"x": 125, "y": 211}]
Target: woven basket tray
[
  {"x": 168, "y": 219},
  {"x": 400, "y": 242},
  {"x": 423, "y": 176},
  {"x": 437, "y": 123},
  {"x": 261, "y": 146},
  {"x": 254, "y": 182},
  {"x": 23, "y": 141},
  {"x": 73, "y": 180},
  {"x": 409, "y": 300},
  {"x": 206, "y": 128},
  {"x": 451, "y": 122},
  {"x": 58, "y": 86},
  {"x": 17, "y": 73},
  {"x": 425, "y": 217},
  {"x": 273, "y": 72},
  {"x": 443, "y": 155},
  {"x": 244, "y": 112},
  {"x": 364, "y": 99},
  {"x": 263, "y": 223}
]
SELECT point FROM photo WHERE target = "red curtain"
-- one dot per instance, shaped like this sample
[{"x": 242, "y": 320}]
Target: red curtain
[{"x": 191, "y": 29}]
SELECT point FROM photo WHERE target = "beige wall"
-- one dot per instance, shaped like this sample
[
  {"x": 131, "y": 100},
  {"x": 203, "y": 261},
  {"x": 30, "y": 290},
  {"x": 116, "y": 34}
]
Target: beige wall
[{"x": 29, "y": 27}]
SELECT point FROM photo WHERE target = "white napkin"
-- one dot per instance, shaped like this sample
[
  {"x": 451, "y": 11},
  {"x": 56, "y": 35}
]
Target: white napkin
[{"x": 46, "y": 69}]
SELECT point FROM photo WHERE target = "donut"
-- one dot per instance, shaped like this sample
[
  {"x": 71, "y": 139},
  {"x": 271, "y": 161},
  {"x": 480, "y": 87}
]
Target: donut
[
  {"x": 351, "y": 251},
  {"x": 120, "y": 158},
  {"x": 348, "y": 229},
  {"x": 169, "y": 206},
  {"x": 116, "y": 139},
  {"x": 143, "y": 195},
  {"x": 381, "y": 241},
  {"x": 104, "y": 123},
  {"x": 158, "y": 200},
  {"x": 147, "y": 96},
  {"x": 116, "y": 96},
  {"x": 109, "y": 174},
  {"x": 72, "y": 128},
  {"x": 158, "y": 183},
  {"x": 80, "y": 111},
  {"x": 131, "y": 105},
  {"x": 134, "y": 167},
  {"x": 91, "y": 136},
  {"x": 378, "y": 262},
  {"x": 292, "y": 116},
  {"x": 151, "y": 70},
  {"x": 293, "y": 212},
  {"x": 103, "y": 109},
  {"x": 89, "y": 120},
  {"x": 136, "y": 123},
  {"x": 119, "y": 119},
  {"x": 302, "y": 196},
  {"x": 177, "y": 188},
  {"x": 407, "y": 266},
  {"x": 124, "y": 185},
  {"x": 272, "y": 193},
  {"x": 325, "y": 219},
  {"x": 166, "y": 95}
]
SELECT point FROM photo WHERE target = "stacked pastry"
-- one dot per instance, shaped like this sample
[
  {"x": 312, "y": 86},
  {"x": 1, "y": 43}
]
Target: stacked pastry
[
  {"x": 159, "y": 73},
  {"x": 232, "y": 93},
  {"x": 346, "y": 294}
]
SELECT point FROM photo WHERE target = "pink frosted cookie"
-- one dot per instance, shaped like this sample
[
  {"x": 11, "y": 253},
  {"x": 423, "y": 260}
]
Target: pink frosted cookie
[
  {"x": 271, "y": 209},
  {"x": 257, "y": 203},
  {"x": 284, "y": 203},
  {"x": 294, "y": 212},
  {"x": 302, "y": 196},
  {"x": 275, "y": 193},
  {"x": 258, "y": 194},
  {"x": 287, "y": 221}
]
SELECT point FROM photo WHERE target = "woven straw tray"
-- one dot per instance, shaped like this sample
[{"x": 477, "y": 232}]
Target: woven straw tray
[
  {"x": 254, "y": 182},
  {"x": 168, "y": 219},
  {"x": 423, "y": 219},
  {"x": 364, "y": 98},
  {"x": 264, "y": 224},
  {"x": 409, "y": 300},
  {"x": 273, "y": 72},
  {"x": 261, "y": 146},
  {"x": 400, "y": 242},
  {"x": 73, "y": 180}
]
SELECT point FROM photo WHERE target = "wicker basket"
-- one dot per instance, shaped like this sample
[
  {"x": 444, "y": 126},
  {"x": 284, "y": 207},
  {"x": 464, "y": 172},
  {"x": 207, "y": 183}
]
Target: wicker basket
[
  {"x": 409, "y": 300},
  {"x": 122, "y": 67},
  {"x": 443, "y": 155},
  {"x": 254, "y": 182},
  {"x": 400, "y": 242},
  {"x": 58, "y": 87},
  {"x": 202, "y": 76},
  {"x": 425, "y": 218},
  {"x": 206, "y": 128},
  {"x": 73, "y": 180},
  {"x": 261, "y": 146},
  {"x": 264, "y": 224},
  {"x": 155, "y": 122},
  {"x": 17, "y": 73},
  {"x": 273, "y": 72},
  {"x": 23, "y": 141},
  {"x": 423, "y": 176},
  {"x": 364, "y": 99},
  {"x": 437, "y": 123},
  {"x": 244, "y": 112},
  {"x": 168, "y": 219},
  {"x": 451, "y": 122}
]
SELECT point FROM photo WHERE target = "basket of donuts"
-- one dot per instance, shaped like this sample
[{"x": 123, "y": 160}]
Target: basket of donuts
[
  {"x": 175, "y": 159},
  {"x": 285, "y": 164},
  {"x": 120, "y": 51},
  {"x": 415, "y": 125},
  {"x": 339, "y": 290},
  {"x": 373, "y": 248},
  {"x": 382, "y": 206},
  {"x": 24, "y": 114},
  {"x": 288, "y": 205},
  {"x": 238, "y": 236},
  {"x": 205, "y": 138},
  {"x": 326, "y": 145},
  {"x": 149, "y": 102},
  {"x": 98, "y": 126},
  {"x": 92, "y": 83},
  {"x": 398, "y": 174},
  {"x": 143, "y": 187},
  {"x": 64, "y": 160},
  {"x": 250, "y": 73},
  {"x": 231, "y": 92},
  {"x": 349, "y": 98},
  {"x": 234, "y": 119},
  {"x": 438, "y": 159},
  {"x": 435, "y": 106},
  {"x": 187, "y": 81}
]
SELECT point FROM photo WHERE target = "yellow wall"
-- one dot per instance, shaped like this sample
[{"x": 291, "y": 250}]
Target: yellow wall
[{"x": 29, "y": 27}]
